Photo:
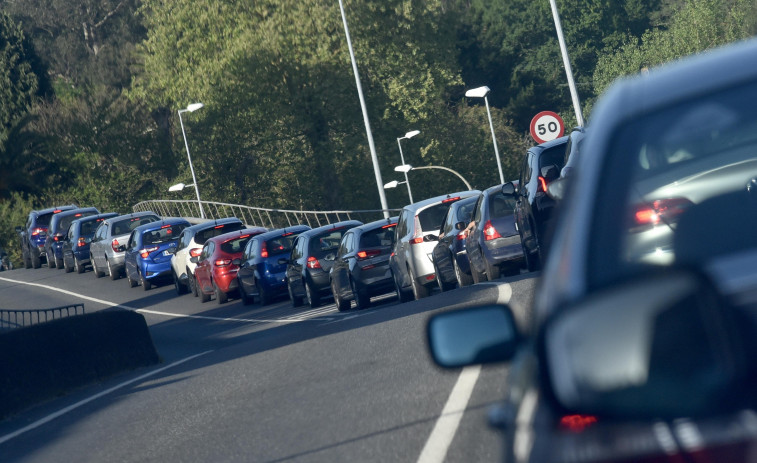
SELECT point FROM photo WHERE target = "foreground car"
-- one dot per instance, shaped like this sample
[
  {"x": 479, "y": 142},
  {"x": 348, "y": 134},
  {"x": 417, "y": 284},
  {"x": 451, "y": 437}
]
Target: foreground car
[
  {"x": 629, "y": 358},
  {"x": 147, "y": 257}
]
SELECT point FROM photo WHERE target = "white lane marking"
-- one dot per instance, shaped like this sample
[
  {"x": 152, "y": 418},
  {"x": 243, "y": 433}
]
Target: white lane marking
[
  {"x": 62, "y": 412},
  {"x": 444, "y": 431},
  {"x": 524, "y": 436},
  {"x": 152, "y": 312}
]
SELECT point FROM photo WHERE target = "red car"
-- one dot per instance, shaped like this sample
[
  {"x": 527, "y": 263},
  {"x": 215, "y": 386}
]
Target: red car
[{"x": 215, "y": 272}]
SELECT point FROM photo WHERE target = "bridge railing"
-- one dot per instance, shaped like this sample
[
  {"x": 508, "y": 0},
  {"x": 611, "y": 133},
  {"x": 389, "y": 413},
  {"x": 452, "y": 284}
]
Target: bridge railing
[
  {"x": 257, "y": 216},
  {"x": 10, "y": 319}
]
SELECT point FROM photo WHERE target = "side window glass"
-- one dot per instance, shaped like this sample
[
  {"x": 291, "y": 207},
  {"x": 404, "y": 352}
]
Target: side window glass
[
  {"x": 346, "y": 245},
  {"x": 297, "y": 249}
]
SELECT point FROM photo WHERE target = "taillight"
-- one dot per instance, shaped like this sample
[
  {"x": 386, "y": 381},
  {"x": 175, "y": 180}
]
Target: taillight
[
  {"x": 82, "y": 242},
  {"x": 114, "y": 245},
  {"x": 37, "y": 231},
  {"x": 145, "y": 253},
  {"x": 577, "y": 423},
  {"x": 461, "y": 236},
  {"x": 389, "y": 225},
  {"x": 416, "y": 240},
  {"x": 222, "y": 262},
  {"x": 542, "y": 184},
  {"x": 368, "y": 254},
  {"x": 313, "y": 262},
  {"x": 56, "y": 238},
  {"x": 449, "y": 200},
  {"x": 661, "y": 210},
  {"x": 490, "y": 233},
  {"x": 195, "y": 252},
  {"x": 264, "y": 251},
  {"x": 417, "y": 232}
]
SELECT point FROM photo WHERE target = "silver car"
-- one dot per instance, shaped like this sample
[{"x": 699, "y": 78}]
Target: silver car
[
  {"x": 109, "y": 235},
  {"x": 411, "y": 260}
]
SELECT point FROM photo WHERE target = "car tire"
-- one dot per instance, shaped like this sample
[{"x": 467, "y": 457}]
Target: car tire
[
  {"x": 312, "y": 296},
  {"x": 27, "y": 260},
  {"x": 50, "y": 262},
  {"x": 419, "y": 291},
  {"x": 477, "y": 276},
  {"x": 66, "y": 267},
  {"x": 95, "y": 270},
  {"x": 296, "y": 300},
  {"x": 529, "y": 259},
  {"x": 178, "y": 286},
  {"x": 246, "y": 299},
  {"x": 443, "y": 286},
  {"x": 463, "y": 279},
  {"x": 78, "y": 266},
  {"x": 36, "y": 262},
  {"x": 341, "y": 304},
  {"x": 221, "y": 297},
  {"x": 192, "y": 284},
  {"x": 58, "y": 262},
  {"x": 492, "y": 272},
  {"x": 403, "y": 296},
  {"x": 265, "y": 295},
  {"x": 146, "y": 284},
  {"x": 132, "y": 283},
  {"x": 113, "y": 274},
  {"x": 362, "y": 299}
]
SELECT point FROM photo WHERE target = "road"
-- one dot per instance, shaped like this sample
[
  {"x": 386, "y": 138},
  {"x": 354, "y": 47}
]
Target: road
[{"x": 269, "y": 384}]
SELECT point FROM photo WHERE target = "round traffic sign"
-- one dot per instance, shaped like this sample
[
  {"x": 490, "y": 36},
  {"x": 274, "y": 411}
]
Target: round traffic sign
[{"x": 547, "y": 126}]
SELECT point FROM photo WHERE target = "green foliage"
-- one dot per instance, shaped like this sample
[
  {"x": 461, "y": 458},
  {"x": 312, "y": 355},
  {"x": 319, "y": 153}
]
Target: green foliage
[{"x": 14, "y": 211}]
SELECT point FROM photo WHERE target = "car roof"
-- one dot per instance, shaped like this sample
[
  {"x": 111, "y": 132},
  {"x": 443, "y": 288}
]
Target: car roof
[
  {"x": 53, "y": 209},
  {"x": 135, "y": 214},
  {"x": 104, "y": 215},
  {"x": 548, "y": 144},
  {"x": 332, "y": 226},
  {"x": 159, "y": 223},
  {"x": 237, "y": 233},
  {"x": 378, "y": 223},
  {"x": 438, "y": 199},
  {"x": 210, "y": 224},
  {"x": 281, "y": 231}
]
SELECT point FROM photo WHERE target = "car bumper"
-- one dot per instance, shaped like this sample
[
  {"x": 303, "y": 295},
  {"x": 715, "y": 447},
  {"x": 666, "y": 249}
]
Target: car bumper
[{"x": 152, "y": 271}]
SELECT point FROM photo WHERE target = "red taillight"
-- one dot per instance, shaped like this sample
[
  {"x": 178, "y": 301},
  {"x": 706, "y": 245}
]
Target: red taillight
[
  {"x": 114, "y": 245},
  {"x": 145, "y": 253},
  {"x": 264, "y": 251},
  {"x": 461, "y": 236},
  {"x": 417, "y": 232},
  {"x": 449, "y": 200},
  {"x": 313, "y": 262},
  {"x": 222, "y": 262},
  {"x": 241, "y": 237},
  {"x": 77, "y": 215},
  {"x": 577, "y": 423},
  {"x": 57, "y": 211},
  {"x": 288, "y": 233},
  {"x": 542, "y": 184},
  {"x": 218, "y": 226},
  {"x": 368, "y": 254},
  {"x": 82, "y": 242},
  {"x": 195, "y": 252},
  {"x": 490, "y": 233},
  {"x": 165, "y": 226},
  {"x": 662, "y": 210},
  {"x": 37, "y": 231},
  {"x": 56, "y": 238},
  {"x": 416, "y": 240},
  {"x": 390, "y": 225}
]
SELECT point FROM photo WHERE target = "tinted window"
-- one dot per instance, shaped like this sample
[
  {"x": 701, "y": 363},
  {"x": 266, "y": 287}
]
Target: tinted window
[
  {"x": 500, "y": 205},
  {"x": 202, "y": 236},
  {"x": 431, "y": 218},
  {"x": 65, "y": 221},
  {"x": 43, "y": 220},
  {"x": 280, "y": 245},
  {"x": 165, "y": 233},
  {"x": 235, "y": 245},
  {"x": 123, "y": 227},
  {"x": 89, "y": 227},
  {"x": 377, "y": 238},
  {"x": 552, "y": 156},
  {"x": 465, "y": 212},
  {"x": 320, "y": 245}
]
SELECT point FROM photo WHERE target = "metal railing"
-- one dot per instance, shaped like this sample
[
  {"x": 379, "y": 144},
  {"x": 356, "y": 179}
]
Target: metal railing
[
  {"x": 257, "y": 216},
  {"x": 10, "y": 319}
]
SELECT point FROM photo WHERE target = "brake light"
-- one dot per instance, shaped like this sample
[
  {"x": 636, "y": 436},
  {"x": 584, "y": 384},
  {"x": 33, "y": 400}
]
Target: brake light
[
  {"x": 416, "y": 240},
  {"x": 577, "y": 423},
  {"x": 77, "y": 215},
  {"x": 222, "y": 262},
  {"x": 82, "y": 242},
  {"x": 542, "y": 184},
  {"x": 490, "y": 233},
  {"x": 56, "y": 238},
  {"x": 264, "y": 251},
  {"x": 288, "y": 233},
  {"x": 417, "y": 237},
  {"x": 461, "y": 236},
  {"x": 390, "y": 225},
  {"x": 145, "y": 253},
  {"x": 114, "y": 245},
  {"x": 368, "y": 254},
  {"x": 244, "y": 236},
  {"x": 37, "y": 231},
  {"x": 449, "y": 200},
  {"x": 165, "y": 226},
  {"x": 195, "y": 252},
  {"x": 57, "y": 210},
  {"x": 661, "y": 210},
  {"x": 313, "y": 262}
]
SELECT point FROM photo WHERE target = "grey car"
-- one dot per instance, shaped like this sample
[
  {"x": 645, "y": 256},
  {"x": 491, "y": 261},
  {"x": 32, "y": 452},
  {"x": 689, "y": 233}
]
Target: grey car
[
  {"x": 411, "y": 261},
  {"x": 109, "y": 235}
]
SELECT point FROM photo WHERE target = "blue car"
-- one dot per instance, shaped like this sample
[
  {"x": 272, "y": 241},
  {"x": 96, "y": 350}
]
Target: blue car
[
  {"x": 75, "y": 247},
  {"x": 147, "y": 253},
  {"x": 449, "y": 255},
  {"x": 262, "y": 268},
  {"x": 34, "y": 233},
  {"x": 59, "y": 224}
]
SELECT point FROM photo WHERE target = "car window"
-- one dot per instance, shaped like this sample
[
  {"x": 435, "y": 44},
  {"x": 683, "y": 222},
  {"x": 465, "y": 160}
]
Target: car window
[
  {"x": 323, "y": 244},
  {"x": 163, "y": 234},
  {"x": 500, "y": 205},
  {"x": 43, "y": 220},
  {"x": 280, "y": 245},
  {"x": 65, "y": 221},
  {"x": 679, "y": 174},
  {"x": 378, "y": 237},
  {"x": 204, "y": 235},
  {"x": 554, "y": 156},
  {"x": 431, "y": 217},
  {"x": 235, "y": 245},
  {"x": 249, "y": 250},
  {"x": 465, "y": 212},
  {"x": 122, "y": 227}
]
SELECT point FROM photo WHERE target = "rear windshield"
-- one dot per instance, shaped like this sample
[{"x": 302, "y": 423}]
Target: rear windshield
[
  {"x": 431, "y": 218},
  {"x": 65, "y": 222},
  {"x": 552, "y": 156},
  {"x": 88, "y": 227},
  {"x": 164, "y": 234},
  {"x": 329, "y": 242},
  {"x": 465, "y": 212},
  {"x": 280, "y": 245},
  {"x": 379, "y": 237},
  {"x": 236, "y": 245},
  {"x": 202, "y": 236},
  {"x": 500, "y": 205},
  {"x": 43, "y": 220},
  {"x": 124, "y": 227}
]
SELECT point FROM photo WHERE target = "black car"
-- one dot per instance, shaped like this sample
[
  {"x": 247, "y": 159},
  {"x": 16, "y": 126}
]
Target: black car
[
  {"x": 34, "y": 233},
  {"x": 59, "y": 224},
  {"x": 533, "y": 207},
  {"x": 493, "y": 241},
  {"x": 361, "y": 268},
  {"x": 449, "y": 255},
  {"x": 312, "y": 256},
  {"x": 75, "y": 247}
]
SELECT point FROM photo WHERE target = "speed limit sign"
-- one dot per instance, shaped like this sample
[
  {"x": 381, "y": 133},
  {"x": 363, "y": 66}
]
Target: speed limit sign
[{"x": 547, "y": 126}]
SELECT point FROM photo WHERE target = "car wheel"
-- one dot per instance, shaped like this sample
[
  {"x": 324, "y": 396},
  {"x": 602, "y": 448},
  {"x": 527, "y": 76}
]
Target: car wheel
[
  {"x": 192, "y": 284},
  {"x": 313, "y": 299},
  {"x": 58, "y": 262},
  {"x": 27, "y": 260},
  {"x": 401, "y": 295},
  {"x": 67, "y": 267},
  {"x": 132, "y": 283},
  {"x": 296, "y": 300},
  {"x": 78, "y": 266},
  {"x": 95, "y": 270},
  {"x": 341, "y": 304},
  {"x": 477, "y": 277},
  {"x": 112, "y": 273},
  {"x": 221, "y": 297},
  {"x": 443, "y": 286},
  {"x": 530, "y": 260},
  {"x": 146, "y": 284},
  {"x": 246, "y": 299},
  {"x": 419, "y": 291},
  {"x": 50, "y": 262},
  {"x": 362, "y": 299},
  {"x": 177, "y": 285},
  {"x": 492, "y": 272},
  {"x": 463, "y": 279},
  {"x": 36, "y": 262},
  {"x": 265, "y": 295}
]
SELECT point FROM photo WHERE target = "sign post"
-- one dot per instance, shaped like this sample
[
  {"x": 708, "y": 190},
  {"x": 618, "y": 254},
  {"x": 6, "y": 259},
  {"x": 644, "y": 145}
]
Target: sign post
[{"x": 547, "y": 126}]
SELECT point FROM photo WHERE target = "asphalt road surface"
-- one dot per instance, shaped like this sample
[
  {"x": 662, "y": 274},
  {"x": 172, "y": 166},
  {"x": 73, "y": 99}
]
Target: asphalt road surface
[{"x": 265, "y": 384}]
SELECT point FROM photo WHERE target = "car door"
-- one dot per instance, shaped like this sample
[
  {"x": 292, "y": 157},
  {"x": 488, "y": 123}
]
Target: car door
[
  {"x": 340, "y": 270},
  {"x": 246, "y": 273},
  {"x": 130, "y": 257},
  {"x": 473, "y": 242},
  {"x": 398, "y": 261},
  {"x": 202, "y": 271},
  {"x": 95, "y": 246},
  {"x": 295, "y": 266}
]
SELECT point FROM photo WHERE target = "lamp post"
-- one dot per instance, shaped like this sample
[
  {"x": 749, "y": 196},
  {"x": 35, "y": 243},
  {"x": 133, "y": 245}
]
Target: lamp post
[
  {"x": 405, "y": 168},
  {"x": 481, "y": 92},
  {"x": 410, "y": 134},
  {"x": 192, "y": 107},
  {"x": 566, "y": 64}
]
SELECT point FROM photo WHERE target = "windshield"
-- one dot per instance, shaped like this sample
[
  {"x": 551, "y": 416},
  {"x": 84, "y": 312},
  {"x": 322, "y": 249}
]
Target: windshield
[{"x": 235, "y": 245}]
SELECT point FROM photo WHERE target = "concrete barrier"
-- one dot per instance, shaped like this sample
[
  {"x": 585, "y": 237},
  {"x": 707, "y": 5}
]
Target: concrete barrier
[{"x": 47, "y": 360}]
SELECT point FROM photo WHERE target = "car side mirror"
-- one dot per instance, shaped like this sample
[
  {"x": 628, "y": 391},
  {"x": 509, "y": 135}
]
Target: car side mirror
[
  {"x": 430, "y": 237},
  {"x": 661, "y": 346},
  {"x": 478, "y": 335},
  {"x": 508, "y": 189},
  {"x": 236, "y": 261},
  {"x": 461, "y": 226},
  {"x": 283, "y": 261},
  {"x": 194, "y": 259},
  {"x": 121, "y": 248},
  {"x": 550, "y": 172}
]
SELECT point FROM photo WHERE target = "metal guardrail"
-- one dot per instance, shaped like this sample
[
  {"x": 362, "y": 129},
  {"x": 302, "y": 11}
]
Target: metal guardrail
[
  {"x": 257, "y": 216},
  {"x": 10, "y": 319}
]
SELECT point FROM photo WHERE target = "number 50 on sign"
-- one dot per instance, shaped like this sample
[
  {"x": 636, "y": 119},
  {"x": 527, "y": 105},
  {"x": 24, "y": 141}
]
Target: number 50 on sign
[{"x": 547, "y": 126}]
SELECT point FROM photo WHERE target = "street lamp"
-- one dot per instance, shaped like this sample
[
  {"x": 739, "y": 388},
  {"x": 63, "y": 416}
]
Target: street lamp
[
  {"x": 191, "y": 108},
  {"x": 392, "y": 184},
  {"x": 179, "y": 186},
  {"x": 481, "y": 92},
  {"x": 405, "y": 168},
  {"x": 410, "y": 134}
]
